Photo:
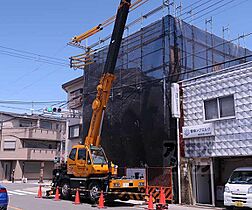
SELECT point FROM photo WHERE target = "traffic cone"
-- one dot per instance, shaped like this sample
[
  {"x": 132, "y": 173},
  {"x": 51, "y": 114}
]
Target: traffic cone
[
  {"x": 162, "y": 197},
  {"x": 57, "y": 195},
  {"x": 146, "y": 191},
  {"x": 150, "y": 203},
  {"x": 39, "y": 192},
  {"x": 101, "y": 201},
  {"x": 77, "y": 197}
]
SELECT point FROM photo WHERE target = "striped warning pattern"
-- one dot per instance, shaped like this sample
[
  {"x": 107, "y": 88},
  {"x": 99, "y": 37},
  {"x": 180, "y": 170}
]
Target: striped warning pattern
[
  {"x": 127, "y": 195},
  {"x": 155, "y": 191}
]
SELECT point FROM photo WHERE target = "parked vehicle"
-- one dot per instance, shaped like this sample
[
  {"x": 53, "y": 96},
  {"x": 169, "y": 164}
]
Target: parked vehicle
[
  {"x": 4, "y": 199},
  {"x": 238, "y": 190}
]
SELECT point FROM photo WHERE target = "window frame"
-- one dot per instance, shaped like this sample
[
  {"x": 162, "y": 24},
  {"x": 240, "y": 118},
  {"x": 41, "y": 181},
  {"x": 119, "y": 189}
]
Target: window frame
[
  {"x": 75, "y": 149},
  {"x": 9, "y": 148},
  {"x": 69, "y": 133},
  {"x": 46, "y": 122},
  {"x": 78, "y": 156},
  {"x": 218, "y": 109}
]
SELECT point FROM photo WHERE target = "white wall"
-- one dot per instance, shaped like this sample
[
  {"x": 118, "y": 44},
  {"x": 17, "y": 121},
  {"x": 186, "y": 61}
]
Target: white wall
[{"x": 233, "y": 137}]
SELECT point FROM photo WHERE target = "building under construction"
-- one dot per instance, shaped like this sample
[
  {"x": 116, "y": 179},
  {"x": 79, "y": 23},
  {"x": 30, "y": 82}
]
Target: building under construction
[{"x": 138, "y": 128}]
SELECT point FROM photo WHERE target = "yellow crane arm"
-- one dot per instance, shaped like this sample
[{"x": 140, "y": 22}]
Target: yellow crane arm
[
  {"x": 99, "y": 106},
  {"x": 96, "y": 29}
]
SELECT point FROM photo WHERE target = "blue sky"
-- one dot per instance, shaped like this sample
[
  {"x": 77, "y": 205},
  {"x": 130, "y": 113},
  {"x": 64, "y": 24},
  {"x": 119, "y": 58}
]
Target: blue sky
[{"x": 45, "y": 27}]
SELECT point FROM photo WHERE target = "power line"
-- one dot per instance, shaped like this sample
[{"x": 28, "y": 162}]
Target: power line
[
  {"x": 30, "y": 102},
  {"x": 41, "y": 60},
  {"x": 31, "y": 53}
]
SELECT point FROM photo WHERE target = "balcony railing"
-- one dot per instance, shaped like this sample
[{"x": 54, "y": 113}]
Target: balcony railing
[
  {"x": 33, "y": 133},
  {"x": 29, "y": 154}
]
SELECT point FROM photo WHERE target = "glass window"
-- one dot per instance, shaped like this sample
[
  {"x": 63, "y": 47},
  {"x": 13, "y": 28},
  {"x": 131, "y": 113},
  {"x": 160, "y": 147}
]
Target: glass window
[
  {"x": 241, "y": 177},
  {"x": 72, "y": 154},
  {"x": 218, "y": 108},
  {"x": 227, "y": 106},
  {"x": 74, "y": 131},
  {"x": 25, "y": 123},
  {"x": 98, "y": 156},
  {"x": 45, "y": 124},
  {"x": 82, "y": 154},
  {"x": 9, "y": 145},
  {"x": 211, "y": 109}
]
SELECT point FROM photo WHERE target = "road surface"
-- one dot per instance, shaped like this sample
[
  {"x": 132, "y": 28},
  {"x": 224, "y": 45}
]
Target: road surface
[{"x": 23, "y": 197}]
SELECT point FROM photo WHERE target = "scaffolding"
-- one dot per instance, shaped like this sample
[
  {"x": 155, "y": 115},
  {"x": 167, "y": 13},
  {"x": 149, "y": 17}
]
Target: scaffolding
[{"x": 138, "y": 121}]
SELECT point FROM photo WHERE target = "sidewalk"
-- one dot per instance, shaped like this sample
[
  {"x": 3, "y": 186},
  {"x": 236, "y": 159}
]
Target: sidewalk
[
  {"x": 45, "y": 183},
  {"x": 174, "y": 206},
  {"x": 185, "y": 207}
]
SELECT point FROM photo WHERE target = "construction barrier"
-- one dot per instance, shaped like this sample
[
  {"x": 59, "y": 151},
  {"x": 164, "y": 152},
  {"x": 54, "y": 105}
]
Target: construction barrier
[{"x": 157, "y": 178}]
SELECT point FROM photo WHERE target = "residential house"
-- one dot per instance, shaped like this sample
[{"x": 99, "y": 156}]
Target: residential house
[{"x": 29, "y": 144}]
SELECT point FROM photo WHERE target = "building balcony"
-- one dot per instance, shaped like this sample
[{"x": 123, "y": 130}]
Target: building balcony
[
  {"x": 29, "y": 154},
  {"x": 33, "y": 133}
]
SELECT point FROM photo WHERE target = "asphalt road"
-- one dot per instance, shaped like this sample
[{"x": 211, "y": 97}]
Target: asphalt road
[{"x": 23, "y": 197}]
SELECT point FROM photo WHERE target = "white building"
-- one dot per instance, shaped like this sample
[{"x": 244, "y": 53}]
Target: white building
[{"x": 217, "y": 130}]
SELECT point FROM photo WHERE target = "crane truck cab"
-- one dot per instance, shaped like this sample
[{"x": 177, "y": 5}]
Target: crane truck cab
[{"x": 85, "y": 161}]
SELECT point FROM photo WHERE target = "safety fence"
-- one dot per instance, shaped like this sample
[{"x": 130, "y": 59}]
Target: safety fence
[{"x": 157, "y": 178}]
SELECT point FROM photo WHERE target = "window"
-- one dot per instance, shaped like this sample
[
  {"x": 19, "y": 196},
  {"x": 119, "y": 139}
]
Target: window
[
  {"x": 219, "y": 107},
  {"x": 9, "y": 145},
  {"x": 81, "y": 154},
  {"x": 74, "y": 131},
  {"x": 45, "y": 124},
  {"x": 227, "y": 106},
  {"x": 72, "y": 154},
  {"x": 25, "y": 123},
  {"x": 98, "y": 156}
]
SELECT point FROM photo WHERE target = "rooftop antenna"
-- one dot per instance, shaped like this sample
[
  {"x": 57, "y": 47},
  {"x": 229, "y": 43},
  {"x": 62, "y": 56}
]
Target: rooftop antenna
[
  {"x": 225, "y": 29},
  {"x": 190, "y": 12},
  {"x": 209, "y": 21},
  {"x": 178, "y": 10},
  {"x": 168, "y": 3}
]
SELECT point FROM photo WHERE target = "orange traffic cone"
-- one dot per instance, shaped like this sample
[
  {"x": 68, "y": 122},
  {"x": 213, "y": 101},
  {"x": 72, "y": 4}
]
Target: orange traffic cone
[
  {"x": 162, "y": 197},
  {"x": 101, "y": 201},
  {"x": 39, "y": 192},
  {"x": 146, "y": 191},
  {"x": 77, "y": 197},
  {"x": 150, "y": 203},
  {"x": 57, "y": 195}
]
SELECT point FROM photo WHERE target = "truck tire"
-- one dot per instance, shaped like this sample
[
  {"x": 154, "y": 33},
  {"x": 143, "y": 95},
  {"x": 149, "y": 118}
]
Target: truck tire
[
  {"x": 94, "y": 191},
  {"x": 229, "y": 207},
  {"x": 65, "y": 190}
]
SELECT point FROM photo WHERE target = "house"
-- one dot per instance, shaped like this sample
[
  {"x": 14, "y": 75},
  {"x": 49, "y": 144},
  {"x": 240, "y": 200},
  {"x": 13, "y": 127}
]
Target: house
[
  {"x": 29, "y": 145},
  {"x": 217, "y": 131}
]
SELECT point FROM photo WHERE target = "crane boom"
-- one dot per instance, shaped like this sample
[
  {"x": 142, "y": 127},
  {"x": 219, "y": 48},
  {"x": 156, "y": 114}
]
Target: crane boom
[
  {"x": 105, "y": 84},
  {"x": 87, "y": 166}
]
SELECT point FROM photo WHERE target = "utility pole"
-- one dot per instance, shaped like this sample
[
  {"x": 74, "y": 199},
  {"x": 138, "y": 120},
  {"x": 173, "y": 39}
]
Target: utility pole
[{"x": 83, "y": 98}]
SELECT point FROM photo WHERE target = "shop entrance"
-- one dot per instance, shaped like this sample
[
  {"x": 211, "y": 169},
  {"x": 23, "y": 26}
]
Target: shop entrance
[{"x": 203, "y": 184}]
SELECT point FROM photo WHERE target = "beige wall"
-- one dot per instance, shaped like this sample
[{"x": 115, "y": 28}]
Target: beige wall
[{"x": 12, "y": 131}]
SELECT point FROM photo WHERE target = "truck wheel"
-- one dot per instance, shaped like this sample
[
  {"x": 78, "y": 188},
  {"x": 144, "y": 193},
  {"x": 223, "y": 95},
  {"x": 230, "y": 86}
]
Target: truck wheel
[
  {"x": 94, "y": 191},
  {"x": 65, "y": 190}
]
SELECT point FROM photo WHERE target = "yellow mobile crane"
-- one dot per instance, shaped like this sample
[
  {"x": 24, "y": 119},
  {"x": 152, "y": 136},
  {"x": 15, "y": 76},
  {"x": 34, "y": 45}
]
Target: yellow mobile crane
[{"x": 87, "y": 166}]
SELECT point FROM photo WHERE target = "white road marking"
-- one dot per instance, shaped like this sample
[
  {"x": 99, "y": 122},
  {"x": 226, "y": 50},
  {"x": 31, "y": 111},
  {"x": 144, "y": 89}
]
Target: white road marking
[
  {"x": 15, "y": 193},
  {"x": 26, "y": 192}
]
